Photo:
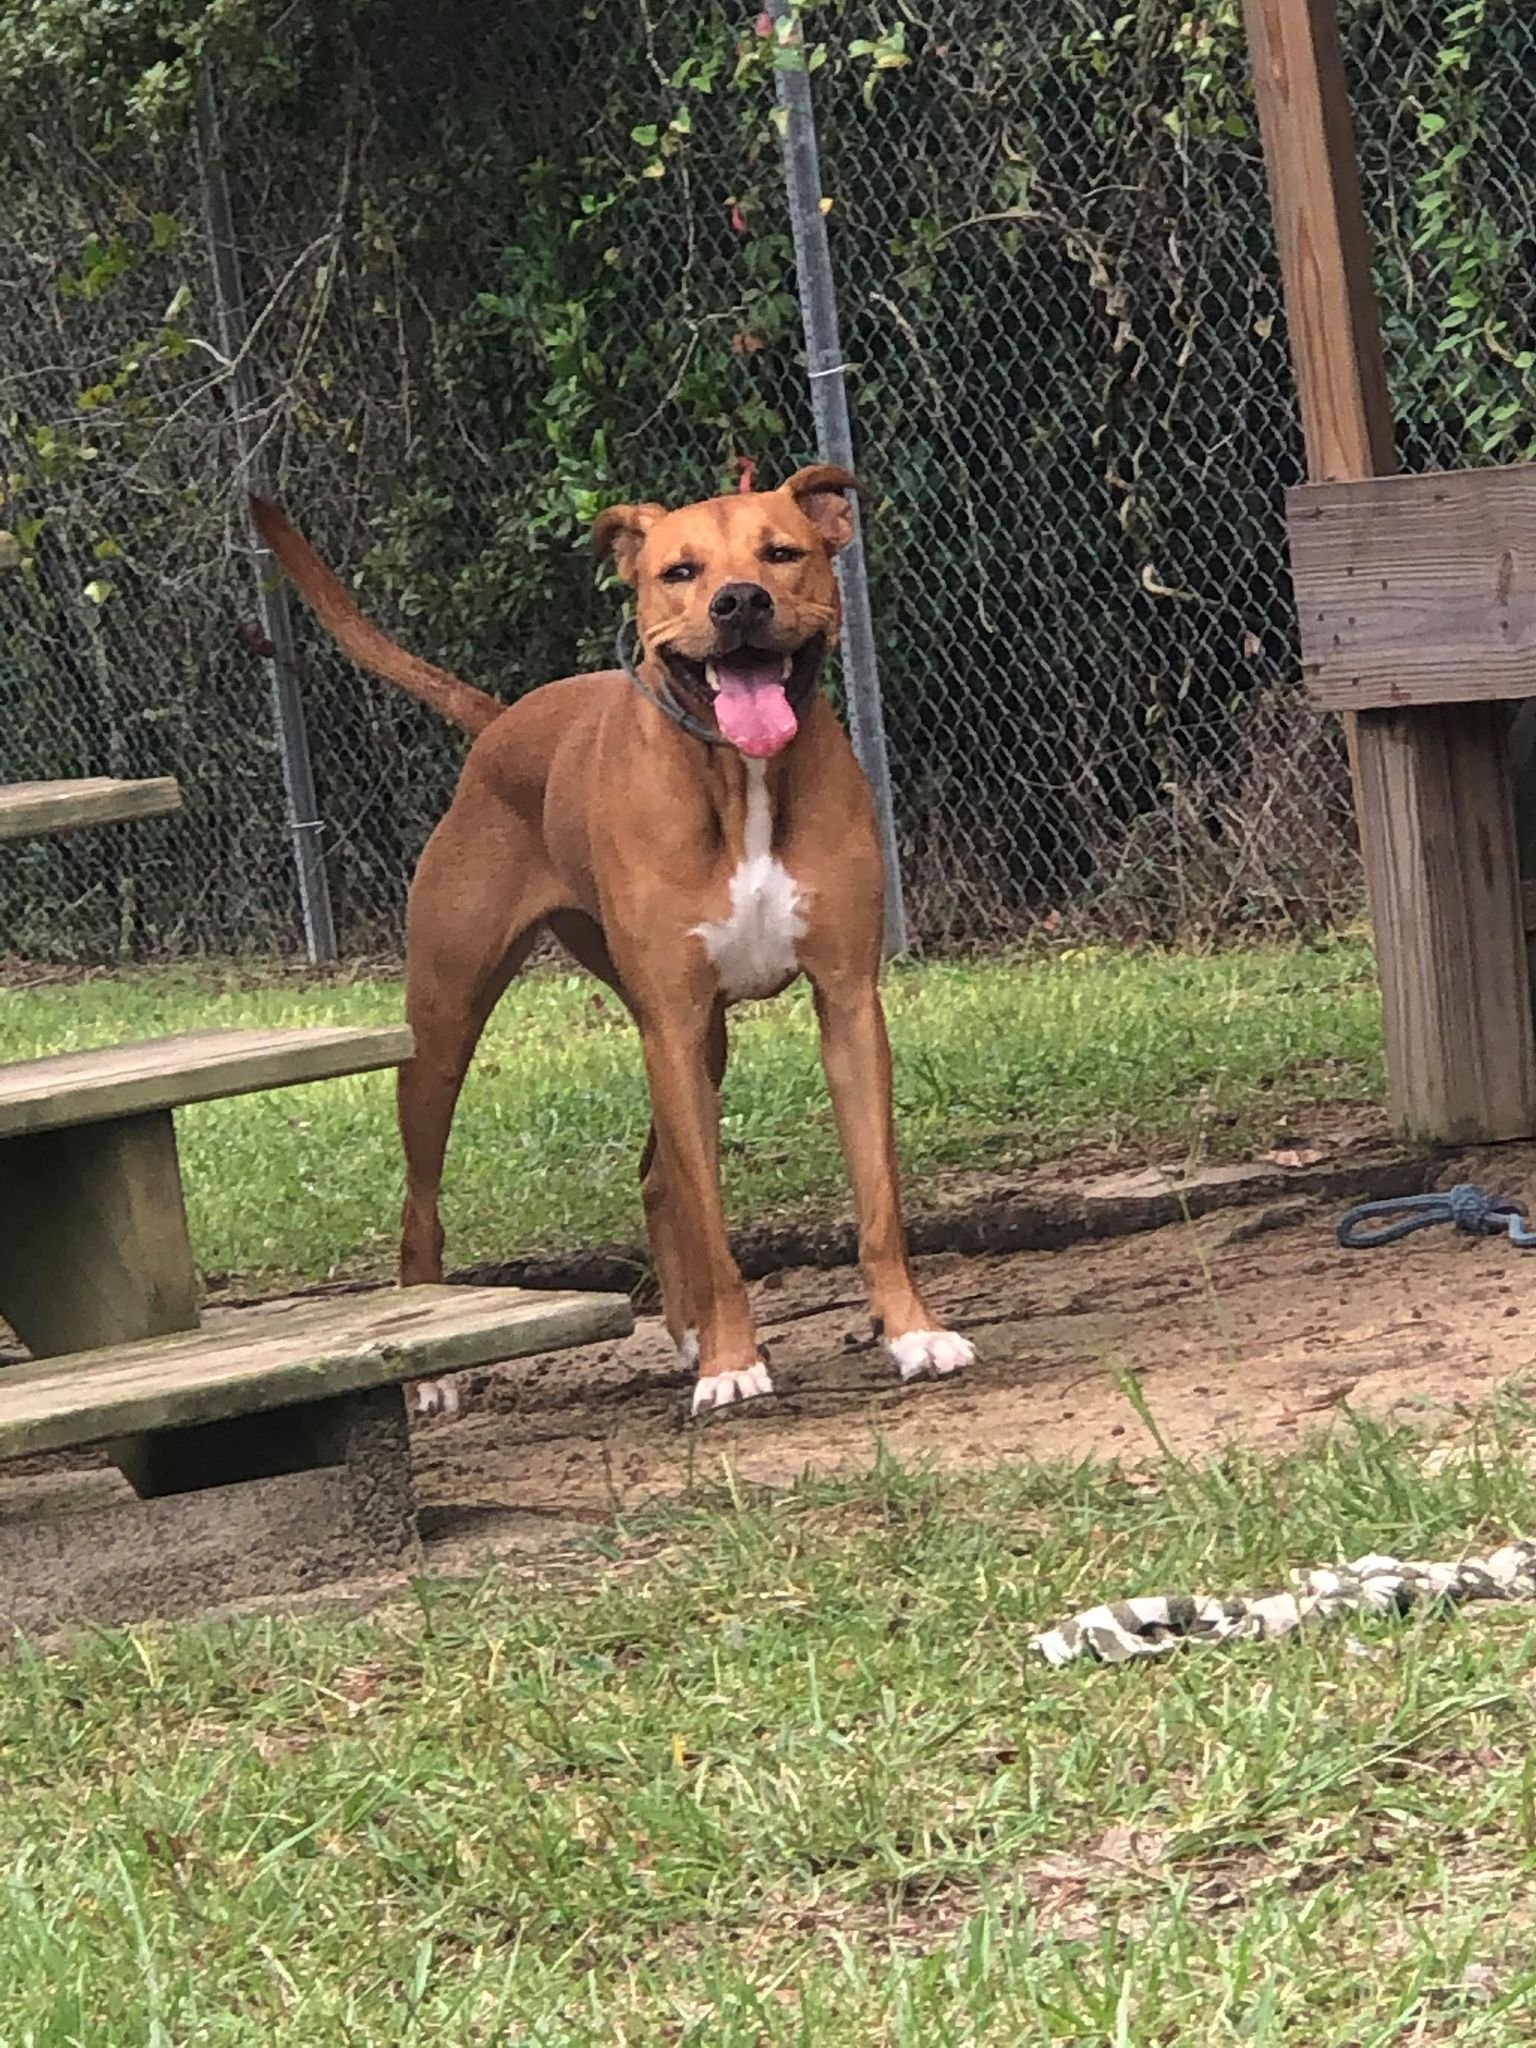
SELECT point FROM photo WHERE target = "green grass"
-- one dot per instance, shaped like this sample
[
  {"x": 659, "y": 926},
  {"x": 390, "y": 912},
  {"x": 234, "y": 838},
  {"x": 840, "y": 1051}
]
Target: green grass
[
  {"x": 998, "y": 1065},
  {"x": 785, "y": 1770}
]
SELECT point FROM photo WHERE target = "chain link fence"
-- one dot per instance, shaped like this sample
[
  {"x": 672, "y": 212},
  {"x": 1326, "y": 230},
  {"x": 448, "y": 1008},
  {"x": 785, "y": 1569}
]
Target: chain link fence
[{"x": 500, "y": 275}]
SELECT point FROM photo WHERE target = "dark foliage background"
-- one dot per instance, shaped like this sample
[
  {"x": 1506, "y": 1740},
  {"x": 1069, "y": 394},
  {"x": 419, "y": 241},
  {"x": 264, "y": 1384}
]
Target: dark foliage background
[{"x": 528, "y": 260}]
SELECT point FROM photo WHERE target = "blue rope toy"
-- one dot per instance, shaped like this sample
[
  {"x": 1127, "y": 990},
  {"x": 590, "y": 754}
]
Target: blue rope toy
[{"x": 1470, "y": 1208}]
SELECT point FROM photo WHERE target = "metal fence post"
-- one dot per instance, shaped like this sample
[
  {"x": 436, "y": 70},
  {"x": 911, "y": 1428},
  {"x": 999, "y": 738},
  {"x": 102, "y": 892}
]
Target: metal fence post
[
  {"x": 834, "y": 433},
  {"x": 271, "y": 597}
]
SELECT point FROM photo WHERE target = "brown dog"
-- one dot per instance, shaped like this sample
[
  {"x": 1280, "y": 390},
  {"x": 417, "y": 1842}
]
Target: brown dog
[{"x": 696, "y": 833}]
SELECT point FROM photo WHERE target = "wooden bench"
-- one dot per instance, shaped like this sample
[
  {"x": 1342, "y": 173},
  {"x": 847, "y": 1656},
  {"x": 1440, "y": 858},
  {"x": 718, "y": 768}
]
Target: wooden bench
[
  {"x": 287, "y": 1428},
  {"x": 42, "y": 810},
  {"x": 93, "y": 1229},
  {"x": 269, "y": 1451}
]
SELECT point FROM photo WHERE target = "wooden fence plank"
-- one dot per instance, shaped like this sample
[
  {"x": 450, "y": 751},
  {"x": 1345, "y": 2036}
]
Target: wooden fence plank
[{"x": 1417, "y": 589}]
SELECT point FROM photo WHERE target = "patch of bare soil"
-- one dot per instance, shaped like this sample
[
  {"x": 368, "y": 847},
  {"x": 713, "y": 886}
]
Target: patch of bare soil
[
  {"x": 1223, "y": 1292},
  {"x": 1248, "y": 1324}
]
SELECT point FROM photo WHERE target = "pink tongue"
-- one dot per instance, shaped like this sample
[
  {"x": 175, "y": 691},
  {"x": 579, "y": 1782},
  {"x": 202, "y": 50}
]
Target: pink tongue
[{"x": 752, "y": 710}]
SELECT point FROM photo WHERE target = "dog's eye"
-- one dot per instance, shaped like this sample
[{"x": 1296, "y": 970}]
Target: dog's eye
[
  {"x": 680, "y": 572},
  {"x": 780, "y": 557}
]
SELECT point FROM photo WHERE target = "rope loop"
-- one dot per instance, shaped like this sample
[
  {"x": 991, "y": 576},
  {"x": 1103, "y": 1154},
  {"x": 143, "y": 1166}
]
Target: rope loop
[{"x": 1466, "y": 1207}]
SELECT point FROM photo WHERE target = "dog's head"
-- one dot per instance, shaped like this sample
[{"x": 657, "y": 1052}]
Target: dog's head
[{"x": 736, "y": 599}]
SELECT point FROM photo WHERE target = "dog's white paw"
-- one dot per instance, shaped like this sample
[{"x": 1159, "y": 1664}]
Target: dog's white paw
[
  {"x": 924, "y": 1354},
  {"x": 722, "y": 1388},
  {"x": 435, "y": 1397},
  {"x": 688, "y": 1351}
]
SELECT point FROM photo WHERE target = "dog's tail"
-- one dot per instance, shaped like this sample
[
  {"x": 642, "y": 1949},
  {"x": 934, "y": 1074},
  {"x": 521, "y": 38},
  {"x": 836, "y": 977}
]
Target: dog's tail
[{"x": 359, "y": 639}]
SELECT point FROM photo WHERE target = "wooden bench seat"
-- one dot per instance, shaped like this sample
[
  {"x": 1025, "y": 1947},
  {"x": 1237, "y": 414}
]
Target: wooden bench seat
[
  {"x": 270, "y": 1453},
  {"x": 287, "y": 1357},
  {"x": 43, "y": 810},
  {"x": 193, "y": 1066}
]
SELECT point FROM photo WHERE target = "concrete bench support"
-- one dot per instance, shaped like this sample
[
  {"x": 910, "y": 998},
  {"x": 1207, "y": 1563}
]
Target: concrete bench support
[{"x": 269, "y": 1453}]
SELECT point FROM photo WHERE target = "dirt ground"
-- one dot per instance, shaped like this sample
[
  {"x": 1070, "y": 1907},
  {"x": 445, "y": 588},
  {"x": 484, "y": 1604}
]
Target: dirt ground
[
  {"x": 1247, "y": 1323},
  {"x": 1240, "y": 1318}
]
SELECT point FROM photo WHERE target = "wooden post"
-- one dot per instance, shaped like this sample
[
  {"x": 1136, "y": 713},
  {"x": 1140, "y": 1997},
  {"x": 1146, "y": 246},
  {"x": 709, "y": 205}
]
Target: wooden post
[
  {"x": 1432, "y": 785},
  {"x": 93, "y": 1236}
]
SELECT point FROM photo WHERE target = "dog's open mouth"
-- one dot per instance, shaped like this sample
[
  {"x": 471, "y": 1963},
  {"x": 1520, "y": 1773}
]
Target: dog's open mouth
[
  {"x": 755, "y": 693},
  {"x": 752, "y": 706}
]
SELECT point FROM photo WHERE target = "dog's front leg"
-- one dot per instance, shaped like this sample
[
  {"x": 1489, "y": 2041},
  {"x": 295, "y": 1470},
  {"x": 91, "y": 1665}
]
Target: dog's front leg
[
  {"x": 685, "y": 1110},
  {"x": 856, "y": 1055}
]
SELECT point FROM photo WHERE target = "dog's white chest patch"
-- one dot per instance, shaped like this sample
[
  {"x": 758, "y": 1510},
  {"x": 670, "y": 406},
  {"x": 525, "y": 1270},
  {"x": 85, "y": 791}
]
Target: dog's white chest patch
[{"x": 753, "y": 948}]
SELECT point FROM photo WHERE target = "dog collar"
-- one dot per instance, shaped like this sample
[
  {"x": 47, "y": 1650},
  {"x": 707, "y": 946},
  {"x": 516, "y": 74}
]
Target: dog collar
[{"x": 627, "y": 647}]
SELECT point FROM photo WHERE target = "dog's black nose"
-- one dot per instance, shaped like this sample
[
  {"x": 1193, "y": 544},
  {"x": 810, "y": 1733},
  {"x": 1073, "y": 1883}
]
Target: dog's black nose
[{"x": 740, "y": 604}]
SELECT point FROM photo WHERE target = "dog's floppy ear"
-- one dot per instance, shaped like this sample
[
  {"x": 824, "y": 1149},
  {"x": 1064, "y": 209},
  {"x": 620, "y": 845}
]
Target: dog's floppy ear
[
  {"x": 821, "y": 492},
  {"x": 621, "y": 531}
]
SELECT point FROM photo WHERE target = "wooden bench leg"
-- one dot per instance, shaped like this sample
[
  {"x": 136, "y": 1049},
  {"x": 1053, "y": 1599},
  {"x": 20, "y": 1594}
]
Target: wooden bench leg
[
  {"x": 94, "y": 1247},
  {"x": 93, "y": 1236}
]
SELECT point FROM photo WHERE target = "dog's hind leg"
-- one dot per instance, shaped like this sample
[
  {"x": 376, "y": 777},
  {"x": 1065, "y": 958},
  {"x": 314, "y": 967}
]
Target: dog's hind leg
[{"x": 481, "y": 892}]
